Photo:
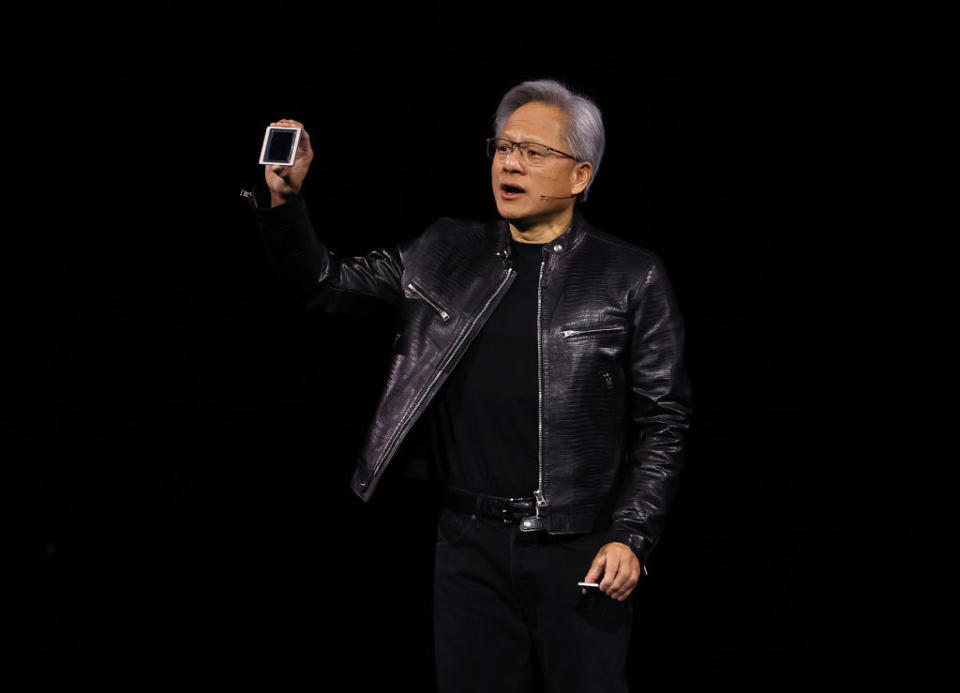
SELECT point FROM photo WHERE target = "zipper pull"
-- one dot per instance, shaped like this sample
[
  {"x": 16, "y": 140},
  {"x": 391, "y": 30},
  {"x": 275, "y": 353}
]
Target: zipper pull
[{"x": 541, "y": 501}]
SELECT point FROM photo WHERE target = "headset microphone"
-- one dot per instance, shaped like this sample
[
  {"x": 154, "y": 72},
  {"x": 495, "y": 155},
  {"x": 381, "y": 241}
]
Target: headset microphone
[{"x": 551, "y": 197}]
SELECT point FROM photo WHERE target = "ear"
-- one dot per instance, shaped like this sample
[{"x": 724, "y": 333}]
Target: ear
[{"x": 580, "y": 176}]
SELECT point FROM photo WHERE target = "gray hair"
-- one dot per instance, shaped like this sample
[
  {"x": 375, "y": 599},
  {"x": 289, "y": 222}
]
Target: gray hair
[{"x": 584, "y": 133}]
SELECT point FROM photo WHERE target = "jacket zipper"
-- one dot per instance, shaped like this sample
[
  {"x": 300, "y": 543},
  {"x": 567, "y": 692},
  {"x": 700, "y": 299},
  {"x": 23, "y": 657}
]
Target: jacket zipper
[
  {"x": 538, "y": 494},
  {"x": 567, "y": 334},
  {"x": 391, "y": 443},
  {"x": 444, "y": 315}
]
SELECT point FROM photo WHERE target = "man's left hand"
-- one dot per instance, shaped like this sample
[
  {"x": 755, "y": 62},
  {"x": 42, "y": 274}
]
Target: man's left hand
[{"x": 620, "y": 568}]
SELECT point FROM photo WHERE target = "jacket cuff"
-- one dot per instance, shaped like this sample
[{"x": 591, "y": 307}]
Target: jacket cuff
[
  {"x": 293, "y": 209},
  {"x": 638, "y": 544},
  {"x": 624, "y": 537},
  {"x": 293, "y": 246}
]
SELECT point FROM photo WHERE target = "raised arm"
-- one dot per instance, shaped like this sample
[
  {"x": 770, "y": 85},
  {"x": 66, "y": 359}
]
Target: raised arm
[
  {"x": 285, "y": 182},
  {"x": 298, "y": 254}
]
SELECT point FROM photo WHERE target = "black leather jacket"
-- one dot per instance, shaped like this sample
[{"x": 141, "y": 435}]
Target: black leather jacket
[{"x": 614, "y": 396}]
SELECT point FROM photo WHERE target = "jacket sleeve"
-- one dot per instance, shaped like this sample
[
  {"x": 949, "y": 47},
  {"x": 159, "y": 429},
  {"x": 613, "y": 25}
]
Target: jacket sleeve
[
  {"x": 318, "y": 276},
  {"x": 659, "y": 409}
]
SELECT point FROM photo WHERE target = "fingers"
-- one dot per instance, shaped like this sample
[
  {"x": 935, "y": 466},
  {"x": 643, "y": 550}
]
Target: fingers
[
  {"x": 305, "y": 144},
  {"x": 304, "y": 148},
  {"x": 596, "y": 569},
  {"x": 276, "y": 177},
  {"x": 285, "y": 182},
  {"x": 620, "y": 568},
  {"x": 619, "y": 579},
  {"x": 286, "y": 123}
]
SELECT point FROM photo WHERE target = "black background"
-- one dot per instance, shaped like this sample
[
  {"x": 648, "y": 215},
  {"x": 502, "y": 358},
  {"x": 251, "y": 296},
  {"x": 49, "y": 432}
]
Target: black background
[{"x": 183, "y": 437}]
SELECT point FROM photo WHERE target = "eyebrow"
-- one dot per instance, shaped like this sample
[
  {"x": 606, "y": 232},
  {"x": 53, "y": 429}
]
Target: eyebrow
[{"x": 504, "y": 136}]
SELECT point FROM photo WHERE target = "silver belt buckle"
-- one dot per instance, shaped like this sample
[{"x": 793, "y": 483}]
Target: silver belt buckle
[{"x": 531, "y": 524}]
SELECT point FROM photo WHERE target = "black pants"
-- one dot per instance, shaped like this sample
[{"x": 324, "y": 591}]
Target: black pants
[{"x": 507, "y": 601}]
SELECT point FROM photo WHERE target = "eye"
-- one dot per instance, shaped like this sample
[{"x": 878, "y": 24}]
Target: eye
[
  {"x": 504, "y": 147},
  {"x": 535, "y": 152}
]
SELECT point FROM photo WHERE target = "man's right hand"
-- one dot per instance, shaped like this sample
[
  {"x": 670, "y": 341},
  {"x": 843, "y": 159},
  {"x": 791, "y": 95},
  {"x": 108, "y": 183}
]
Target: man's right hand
[{"x": 285, "y": 181}]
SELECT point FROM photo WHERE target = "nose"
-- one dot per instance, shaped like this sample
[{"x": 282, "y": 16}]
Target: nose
[{"x": 513, "y": 161}]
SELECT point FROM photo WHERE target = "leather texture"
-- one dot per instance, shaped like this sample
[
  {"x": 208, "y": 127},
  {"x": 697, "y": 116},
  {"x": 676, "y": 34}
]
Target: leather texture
[{"x": 615, "y": 397}]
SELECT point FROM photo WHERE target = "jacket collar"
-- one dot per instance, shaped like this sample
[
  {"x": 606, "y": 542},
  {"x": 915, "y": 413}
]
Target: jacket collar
[{"x": 561, "y": 245}]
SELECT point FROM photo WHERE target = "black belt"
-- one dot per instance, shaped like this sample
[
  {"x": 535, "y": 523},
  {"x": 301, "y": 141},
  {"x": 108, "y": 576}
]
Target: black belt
[{"x": 510, "y": 510}]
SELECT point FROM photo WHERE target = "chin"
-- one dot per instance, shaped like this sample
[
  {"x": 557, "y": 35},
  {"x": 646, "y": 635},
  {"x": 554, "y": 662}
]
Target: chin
[{"x": 514, "y": 211}]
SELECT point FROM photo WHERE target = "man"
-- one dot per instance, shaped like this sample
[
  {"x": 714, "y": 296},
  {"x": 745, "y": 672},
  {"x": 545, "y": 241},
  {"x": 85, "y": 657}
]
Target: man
[{"x": 545, "y": 358}]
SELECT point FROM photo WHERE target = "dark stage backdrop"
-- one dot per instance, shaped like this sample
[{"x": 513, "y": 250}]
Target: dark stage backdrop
[{"x": 182, "y": 436}]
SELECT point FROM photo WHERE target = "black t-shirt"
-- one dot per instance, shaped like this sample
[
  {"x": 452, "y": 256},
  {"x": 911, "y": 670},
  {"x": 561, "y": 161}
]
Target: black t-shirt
[{"x": 484, "y": 422}]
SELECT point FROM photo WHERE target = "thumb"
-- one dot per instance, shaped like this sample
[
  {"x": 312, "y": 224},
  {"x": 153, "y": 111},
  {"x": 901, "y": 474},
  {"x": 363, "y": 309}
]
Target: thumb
[{"x": 596, "y": 569}]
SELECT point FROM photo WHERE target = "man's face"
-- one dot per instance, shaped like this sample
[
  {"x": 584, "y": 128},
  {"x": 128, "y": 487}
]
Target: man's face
[{"x": 517, "y": 187}]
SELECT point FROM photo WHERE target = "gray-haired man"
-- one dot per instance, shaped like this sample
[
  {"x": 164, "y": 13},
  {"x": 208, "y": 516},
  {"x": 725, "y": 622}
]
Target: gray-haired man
[{"x": 544, "y": 356}]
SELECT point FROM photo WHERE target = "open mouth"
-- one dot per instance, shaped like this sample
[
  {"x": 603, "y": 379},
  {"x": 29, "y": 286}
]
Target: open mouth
[{"x": 509, "y": 191}]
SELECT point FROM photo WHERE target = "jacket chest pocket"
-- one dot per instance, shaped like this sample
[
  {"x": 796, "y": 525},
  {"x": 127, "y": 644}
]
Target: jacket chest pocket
[
  {"x": 414, "y": 290},
  {"x": 596, "y": 343},
  {"x": 593, "y": 330}
]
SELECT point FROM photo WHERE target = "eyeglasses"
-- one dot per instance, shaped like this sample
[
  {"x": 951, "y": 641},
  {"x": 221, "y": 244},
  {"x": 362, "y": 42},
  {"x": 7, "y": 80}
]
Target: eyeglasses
[{"x": 531, "y": 153}]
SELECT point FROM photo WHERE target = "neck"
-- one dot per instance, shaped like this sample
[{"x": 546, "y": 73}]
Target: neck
[{"x": 541, "y": 231}]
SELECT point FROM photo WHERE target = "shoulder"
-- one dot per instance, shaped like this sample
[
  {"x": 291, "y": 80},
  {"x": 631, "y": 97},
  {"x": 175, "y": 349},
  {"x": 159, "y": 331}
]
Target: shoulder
[
  {"x": 449, "y": 229},
  {"x": 447, "y": 244},
  {"x": 449, "y": 232},
  {"x": 619, "y": 252},
  {"x": 642, "y": 271},
  {"x": 455, "y": 229}
]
